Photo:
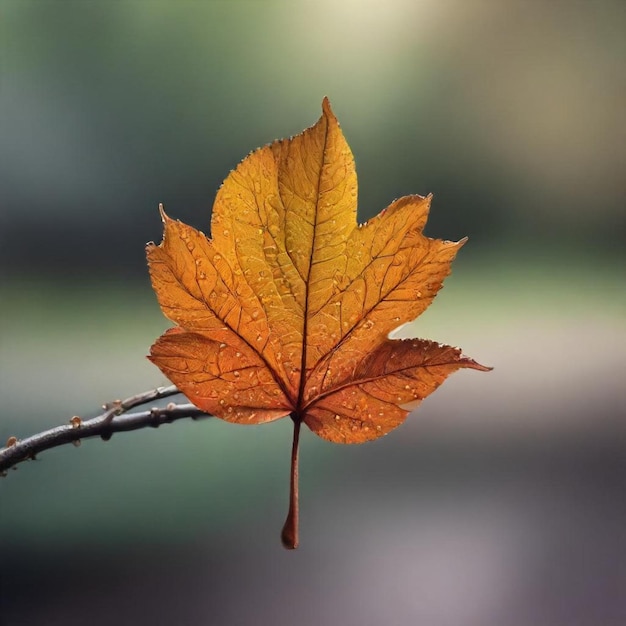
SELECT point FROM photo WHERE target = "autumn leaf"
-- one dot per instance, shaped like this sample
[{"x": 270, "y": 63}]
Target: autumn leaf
[{"x": 286, "y": 310}]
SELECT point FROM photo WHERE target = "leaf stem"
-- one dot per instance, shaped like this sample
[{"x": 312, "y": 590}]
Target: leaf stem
[{"x": 289, "y": 535}]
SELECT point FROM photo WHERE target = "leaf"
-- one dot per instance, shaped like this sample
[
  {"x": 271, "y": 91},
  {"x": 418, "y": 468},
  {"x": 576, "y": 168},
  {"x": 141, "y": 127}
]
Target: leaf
[{"x": 287, "y": 308}]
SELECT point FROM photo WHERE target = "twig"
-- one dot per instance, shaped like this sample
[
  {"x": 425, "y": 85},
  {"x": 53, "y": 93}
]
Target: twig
[{"x": 115, "y": 418}]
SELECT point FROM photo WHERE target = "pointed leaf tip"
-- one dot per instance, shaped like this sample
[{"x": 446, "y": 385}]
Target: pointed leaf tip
[
  {"x": 327, "y": 109},
  {"x": 481, "y": 368}
]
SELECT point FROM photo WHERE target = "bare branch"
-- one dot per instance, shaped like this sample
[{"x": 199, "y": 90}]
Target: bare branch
[{"x": 115, "y": 418}]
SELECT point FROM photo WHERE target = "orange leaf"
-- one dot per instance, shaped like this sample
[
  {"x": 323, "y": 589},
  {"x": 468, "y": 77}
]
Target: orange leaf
[{"x": 287, "y": 309}]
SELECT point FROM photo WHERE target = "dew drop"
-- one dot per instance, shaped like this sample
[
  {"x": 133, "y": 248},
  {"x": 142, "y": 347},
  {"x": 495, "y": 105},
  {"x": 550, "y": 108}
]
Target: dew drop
[
  {"x": 237, "y": 354},
  {"x": 222, "y": 402},
  {"x": 217, "y": 257},
  {"x": 236, "y": 374},
  {"x": 222, "y": 346},
  {"x": 337, "y": 417}
]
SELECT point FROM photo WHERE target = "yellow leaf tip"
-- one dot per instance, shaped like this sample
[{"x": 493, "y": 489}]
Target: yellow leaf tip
[{"x": 327, "y": 109}]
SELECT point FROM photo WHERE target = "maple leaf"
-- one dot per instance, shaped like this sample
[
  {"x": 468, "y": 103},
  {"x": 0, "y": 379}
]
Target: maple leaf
[{"x": 287, "y": 308}]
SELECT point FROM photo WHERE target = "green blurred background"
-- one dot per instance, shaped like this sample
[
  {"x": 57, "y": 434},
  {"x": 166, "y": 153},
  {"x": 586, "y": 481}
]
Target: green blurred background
[{"x": 500, "y": 503}]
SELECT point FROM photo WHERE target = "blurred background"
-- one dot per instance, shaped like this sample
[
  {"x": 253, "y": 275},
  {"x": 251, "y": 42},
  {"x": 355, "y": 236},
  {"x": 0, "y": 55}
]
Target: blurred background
[{"x": 501, "y": 501}]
